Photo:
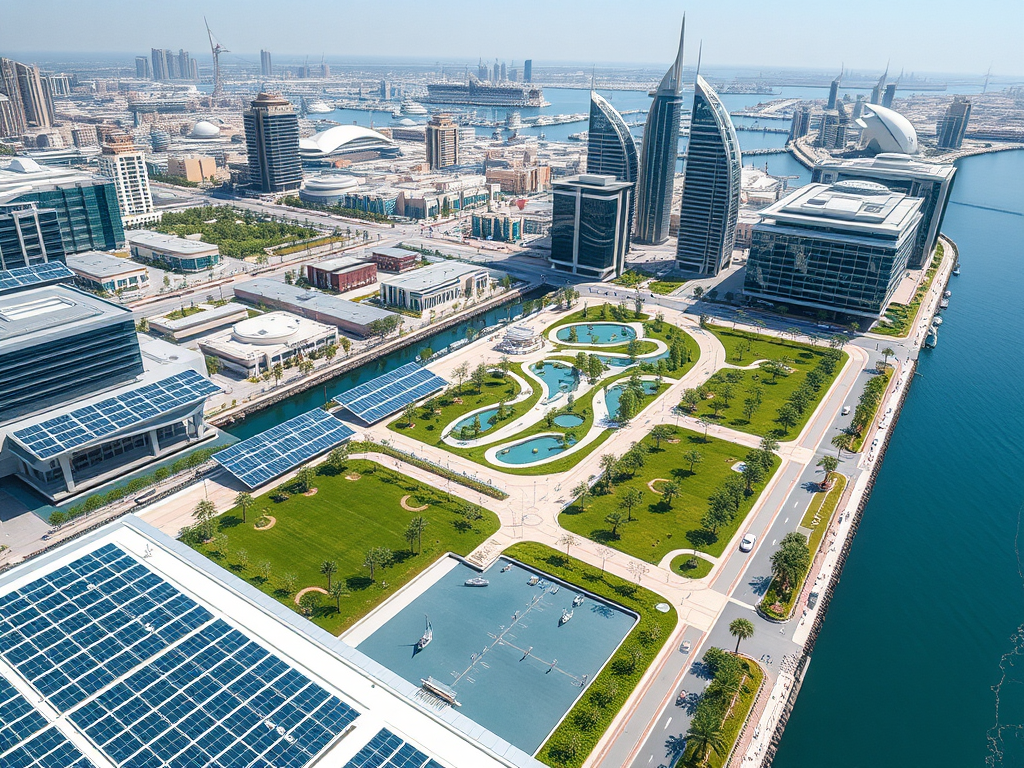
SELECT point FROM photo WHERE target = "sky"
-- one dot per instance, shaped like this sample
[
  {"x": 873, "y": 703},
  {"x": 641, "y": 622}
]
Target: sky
[{"x": 916, "y": 35}]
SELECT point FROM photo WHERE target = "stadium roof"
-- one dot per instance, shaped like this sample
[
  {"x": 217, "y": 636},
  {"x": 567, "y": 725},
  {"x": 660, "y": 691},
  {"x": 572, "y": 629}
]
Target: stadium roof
[
  {"x": 390, "y": 393},
  {"x": 341, "y": 139},
  {"x": 886, "y": 130}
]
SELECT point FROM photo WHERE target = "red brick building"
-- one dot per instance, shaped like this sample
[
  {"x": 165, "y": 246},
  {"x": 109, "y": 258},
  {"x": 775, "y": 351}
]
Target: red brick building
[
  {"x": 394, "y": 259},
  {"x": 342, "y": 274}
]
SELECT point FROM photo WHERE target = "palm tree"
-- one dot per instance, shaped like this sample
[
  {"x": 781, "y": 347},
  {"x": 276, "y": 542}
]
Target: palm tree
[
  {"x": 741, "y": 629},
  {"x": 608, "y": 464},
  {"x": 204, "y": 514},
  {"x": 414, "y": 533},
  {"x": 581, "y": 492},
  {"x": 886, "y": 354},
  {"x": 328, "y": 568},
  {"x": 614, "y": 519},
  {"x": 338, "y": 591},
  {"x": 829, "y": 464},
  {"x": 704, "y": 423},
  {"x": 661, "y": 432},
  {"x": 569, "y": 540},
  {"x": 705, "y": 733},
  {"x": 243, "y": 500},
  {"x": 843, "y": 442}
]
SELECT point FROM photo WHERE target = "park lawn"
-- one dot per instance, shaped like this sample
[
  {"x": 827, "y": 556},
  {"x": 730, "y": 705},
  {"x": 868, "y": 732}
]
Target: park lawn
[
  {"x": 665, "y": 287},
  {"x": 343, "y": 520},
  {"x": 762, "y": 347},
  {"x": 429, "y": 427},
  {"x": 733, "y": 722},
  {"x": 656, "y": 529},
  {"x": 580, "y": 730},
  {"x": 703, "y": 566},
  {"x": 904, "y": 315},
  {"x": 825, "y": 503}
]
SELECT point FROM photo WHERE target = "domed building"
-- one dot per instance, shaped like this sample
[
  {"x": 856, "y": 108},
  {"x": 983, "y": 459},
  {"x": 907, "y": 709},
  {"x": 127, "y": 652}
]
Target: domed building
[
  {"x": 328, "y": 188},
  {"x": 349, "y": 142},
  {"x": 886, "y": 130},
  {"x": 256, "y": 345},
  {"x": 204, "y": 129}
]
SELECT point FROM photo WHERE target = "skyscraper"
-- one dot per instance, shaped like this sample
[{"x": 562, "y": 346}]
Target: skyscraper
[
  {"x": 126, "y": 165},
  {"x": 35, "y": 100},
  {"x": 184, "y": 65},
  {"x": 528, "y": 71},
  {"x": 858, "y": 107},
  {"x": 801, "y": 124},
  {"x": 876, "y": 92},
  {"x": 890, "y": 94},
  {"x": 503, "y": 77},
  {"x": 161, "y": 70},
  {"x": 711, "y": 186},
  {"x": 142, "y": 68},
  {"x": 272, "y": 141},
  {"x": 266, "y": 67},
  {"x": 590, "y": 214},
  {"x": 442, "y": 142},
  {"x": 611, "y": 149},
  {"x": 12, "y": 115},
  {"x": 833, "y": 92},
  {"x": 658, "y": 155},
  {"x": 952, "y": 128},
  {"x": 481, "y": 71}
]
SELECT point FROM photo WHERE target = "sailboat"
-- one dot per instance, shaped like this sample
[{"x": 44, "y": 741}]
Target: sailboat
[{"x": 428, "y": 635}]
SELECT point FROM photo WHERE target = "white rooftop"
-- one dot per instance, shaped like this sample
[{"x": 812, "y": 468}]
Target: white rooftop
[
  {"x": 431, "y": 276},
  {"x": 170, "y": 243},
  {"x": 862, "y": 207},
  {"x": 101, "y": 265}
]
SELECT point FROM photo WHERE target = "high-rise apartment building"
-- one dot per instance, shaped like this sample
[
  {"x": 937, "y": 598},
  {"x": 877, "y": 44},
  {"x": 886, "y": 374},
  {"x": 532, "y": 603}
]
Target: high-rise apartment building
[
  {"x": 31, "y": 103},
  {"x": 952, "y": 128},
  {"x": 590, "y": 218},
  {"x": 528, "y": 71},
  {"x": 833, "y": 93},
  {"x": 161, "y": 66},
  {"x": 801, "y": 124},
  {"x": 442, "y": 138},
  {"x": 711, "y": 186},
  {"x": 12, "y": 116},
  {"x": 266, "y": 67},
  {"x": 828, "y": 130},
  {"x": 611, "y": 149},
  {"x": 126, "y": 165},
  {"x": 272, "y": 143},
  {"x": 29, "y": 235},
  {"x": 658, "y": 155},
  {"x": 858, "y": 107},
  {"x": 889, "y": 95},
  {"x": 184, "y": 65},
  {"x": 143, "y": 71},
  {"x": 482, "y": 72}
]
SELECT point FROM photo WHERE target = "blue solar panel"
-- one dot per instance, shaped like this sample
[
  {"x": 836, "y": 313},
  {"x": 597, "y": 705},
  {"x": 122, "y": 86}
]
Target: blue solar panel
[
  {"x": 386, "y": 750},
  {"x": 107, "y": 417},
  {"x": 390, "y": 393},
  {"x": 34, "y": 275},
  {"x": 269, "y": 454},
  {"x": 50, "y": 749},
  {"x": 18, "y": 719}
]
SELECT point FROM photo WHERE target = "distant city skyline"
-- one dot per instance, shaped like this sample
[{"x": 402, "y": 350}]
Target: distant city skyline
[{"x": 945, "y": 36}]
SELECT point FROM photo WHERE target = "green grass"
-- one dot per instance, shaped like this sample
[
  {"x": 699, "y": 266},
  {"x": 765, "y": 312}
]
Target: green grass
[
  {"x": 904, "y": 315},
  {"x": 733, "y": 722},
  {"x": 341, "y": 522},
  {"x": 858, "y": 439},
  {"x": 656, "y": 530},
  {"x": 583, "y": 726},
  {"x": 825, "y": 503},
  {"x": 183, "y": 312},
  {"x": 761, "y": 347},
  {"x": 665, "y": 287},
  {"x": 703, "y": 566},
  {"x": 631, "y": 277}
]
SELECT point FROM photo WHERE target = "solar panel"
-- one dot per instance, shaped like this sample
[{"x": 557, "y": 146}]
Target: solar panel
[
  {"x": 269, "y": 454},
  {"x": 107, "y": 417},
  {"x": 390, "y": 393},
  {"x": 386, "y": 750},
  {"x": 18, "y": 719},
  {"x": 50, "y": 749},
  {"x": 34, "y": 275}
]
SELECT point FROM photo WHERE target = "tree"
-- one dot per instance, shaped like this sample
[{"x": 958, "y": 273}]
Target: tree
[
  {"x": 829, "y": 464},
  {"x": 244, "y": 500},
  {"x": 595, "y": 367},
  {"x": 309, "y": 603},
  {"x": 608, "y": 465},
  {"x": 769, "y": 443},
  {"x": 338, "y": 590},
  {"x": 204, "y": 514},
  {"x": 337, "y": 457},
  {"x": 628, "y": 406},
  {"x": 479, "y": 376},
  {"x": 461, "y": 373},
  {"x": 569, "y": 541},
  {"x": 378, "y": 557},
  {"x": 753, "y": 473},
  {"x": 787, "y": 416},
  {"x": 741, "y": 629},
  {"x": 330, "y": 351},
  {"x": 631, "y": 498},
  {"x": 790, "y": 560},
  {"x": 328, "y": 568},
  {"x": 691, "y": 399},
  {"x": 581, "y": 492},
  {"x": 670, "y": 491},
  {"x": 661, "y": 432},
  {"x": 414, "y": 533},
  {"x": 425, "y": 354},
  {"x": 704, "y": 423},
  {"x": 726, "y": 393},
  {"x": 749, "y": 407},
  {"x": 304, "y": 479},
  {"x": 263, "y": 570},
  {"x": 277, "y": 372},
  {"x": 693, "y": 457},
  {"x": 886, "y": 354},
  {"x": 717, "y": 514},
  {"x": 698, "y": 292},
  {"x": 843, "y": 442}
]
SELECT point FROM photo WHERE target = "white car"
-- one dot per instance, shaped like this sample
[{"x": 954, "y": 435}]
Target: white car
[
  {"x": 748, "y": 542},
  {"x": 846, "y": 410}
]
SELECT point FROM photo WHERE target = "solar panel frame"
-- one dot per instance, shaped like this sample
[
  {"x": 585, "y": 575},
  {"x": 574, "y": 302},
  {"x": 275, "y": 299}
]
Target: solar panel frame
[
  {"x": 387, "y": 394},
  {"x": 33, "y": 275}
]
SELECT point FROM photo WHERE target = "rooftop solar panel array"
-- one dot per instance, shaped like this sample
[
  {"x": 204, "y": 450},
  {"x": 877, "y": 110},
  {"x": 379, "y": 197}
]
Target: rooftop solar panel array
[
  {"x": 390, "y": 393},
  {"x": 36, "y": 274},
  {"x": 263, "y": 457},
  {"x": 150, "y": 676},
  {"x": 87, "y": 424},
  {"x": 386, "y": 750}
]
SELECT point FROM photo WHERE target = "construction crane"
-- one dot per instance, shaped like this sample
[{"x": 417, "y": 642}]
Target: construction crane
[{"x": 216, "y": 49}]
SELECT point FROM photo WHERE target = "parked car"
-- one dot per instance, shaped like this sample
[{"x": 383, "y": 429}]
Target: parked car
[{"x": 748, "y": 542}]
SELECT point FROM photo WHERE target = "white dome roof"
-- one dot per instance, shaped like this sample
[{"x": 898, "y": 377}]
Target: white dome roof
[
  {"x": 341, "y": 137},
  {"x": 886, "y": 130},
  {"x": 267, "y": 329},
  {"x": 330, "y": 182},
  {"x": 204, "y": 129}
]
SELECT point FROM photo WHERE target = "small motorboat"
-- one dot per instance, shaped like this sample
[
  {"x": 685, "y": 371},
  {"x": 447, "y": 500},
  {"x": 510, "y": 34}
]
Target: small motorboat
[
  {"x": 554, "y": 590},
  {"x": 533, "y": 580},
  {"x": 477, "y": 581},
  {"x": 956, "y": 271},
  {"x": 507, "y": 568},
  {"x": 577, "y": 601},
  {"x": 428, "y": 635},
  {"x": 944, "y": 304},
  {"x": 566, "y": 616},
  {"x": 948, "y": 294}
]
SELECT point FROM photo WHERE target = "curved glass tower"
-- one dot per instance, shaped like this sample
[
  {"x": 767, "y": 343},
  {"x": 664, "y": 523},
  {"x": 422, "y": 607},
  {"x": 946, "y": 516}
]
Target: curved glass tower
[
  {"x": 658, "y": 155},
  {"x": 711, "y": 186},
  {"x": 611, "y": 150}
]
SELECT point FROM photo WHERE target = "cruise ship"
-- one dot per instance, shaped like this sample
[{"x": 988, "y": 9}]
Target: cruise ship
[{"x": 483, "y": 94}]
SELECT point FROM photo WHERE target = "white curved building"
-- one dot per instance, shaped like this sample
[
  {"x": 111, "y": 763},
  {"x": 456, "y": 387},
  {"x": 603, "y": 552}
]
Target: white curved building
[
  {"x": 885, "y": 130},
  {"x": 204, "y": 129},
  {"x": 256, "y": 345},
  {"x": 328, "y": 188},
  {"x": 351, "y": 142}
]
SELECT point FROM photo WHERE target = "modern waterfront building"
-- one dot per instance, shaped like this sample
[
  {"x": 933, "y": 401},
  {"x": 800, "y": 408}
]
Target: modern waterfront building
[
  {"x": 932, "y": 182},
  {"x": 272, "y": 143},
  {"x": 394, "y": 259},
  {"x": 353, "y": 143},
  {"x": 29, "y": 236},
  {"x": 842, "y": 247},
  {"x": 344, "y": 273},
  {"x": 172, "y": 252},
  {"x": 801, "y": 124},
  {"x": 255, "y": 345},
  {"x": 486, "y": 94},
  {"x": 611, "y": 149},
  {"x": 81, "y": 398},
  {"x": 828, "y": 130},
  {"x": 102, "y": 272},
  {"x": 885, "y": 130},
  {"x": 658, "y": 153},
  {"x": 328, "y": 188},
  {"x": 266, "y": 66},
  {"x": 126, "y": 165},
  {"x": 442, "y": 139},
  {"x": 833, "y": 92},
  {"x": 434, "y": 287},
  {"x": 952, "y": 128},
  {"x": 589, "y": 223},
  {"x": 528, "y": 71},
  {"x": 711, "y": 186},
  {"x": 86, "y": 205},
  {"x": 163, "y": 63},
  {"x": 203, "y": 319},
  {"x": 143, "y": 70}
]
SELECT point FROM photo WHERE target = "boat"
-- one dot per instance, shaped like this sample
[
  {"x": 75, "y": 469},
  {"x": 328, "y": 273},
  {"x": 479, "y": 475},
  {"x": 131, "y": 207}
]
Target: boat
[
  {"x": 581, "y": 136},
  {"x": 932, "y": 339},
  {"x": 944, "y": 304},
  {"x": 956, "y": 271},
  {"x": 533, "y": 580},
  {"x": 319, "y": 108},
  {"x": 566, "y": 616},
  {"x": 508, "y": 567},
  {"x": 477, "y": 581},
  {"x": 577, "y": 601},
  {"x": 936, "y": 321},
  {"x": 428, "y": 635},
  {"x": 439, "y": 689},
  {"x": 554, "y": 590},
  {"x": 947, "y": 294},
  {"x": 410, "y": 107}
]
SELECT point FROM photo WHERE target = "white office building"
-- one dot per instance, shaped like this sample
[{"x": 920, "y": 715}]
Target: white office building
[
  {"x": 126, "y": 165},
  {"x": 434, "y": 287}
]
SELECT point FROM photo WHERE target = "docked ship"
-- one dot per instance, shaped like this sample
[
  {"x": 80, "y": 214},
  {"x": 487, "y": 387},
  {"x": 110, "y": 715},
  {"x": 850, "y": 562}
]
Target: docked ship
[
  {"x": 483, "y": 94},
  {"x": 319, "y": 108},
  {"x": 761, "y": 89},
  {"x": 410, "y": 107}
]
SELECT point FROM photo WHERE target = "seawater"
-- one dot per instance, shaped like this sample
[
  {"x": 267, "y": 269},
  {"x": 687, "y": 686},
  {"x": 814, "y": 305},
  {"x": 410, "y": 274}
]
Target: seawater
[{"x": 931, "y": 602}]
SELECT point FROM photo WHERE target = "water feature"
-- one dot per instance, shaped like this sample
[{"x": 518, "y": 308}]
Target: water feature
[
  {"x": 557, "y": 377},
  {"x": 613, "y": 394},
  {"x": 598, "y": 333},
  {"x": 930, "y": 602},
  {"x": 485, "y": 421},
  {"x": 534, "y": 449},
  {"x": 479, "y": 648},
  {"x": 569, "y": 420}
]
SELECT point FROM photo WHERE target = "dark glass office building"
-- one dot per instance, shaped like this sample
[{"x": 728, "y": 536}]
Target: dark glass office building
[
  {"x": 841, "y": 248},
  {"x": 658, "y": 154},
  {"x": 272, "y": 142},
  {"x": 590, "y": 217},
  {"x": 711, "y": 186},
  {"x": 89, "y": 217},
  {"x": 611, "y": 150},
  {"x": 29, "y": 236}
]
